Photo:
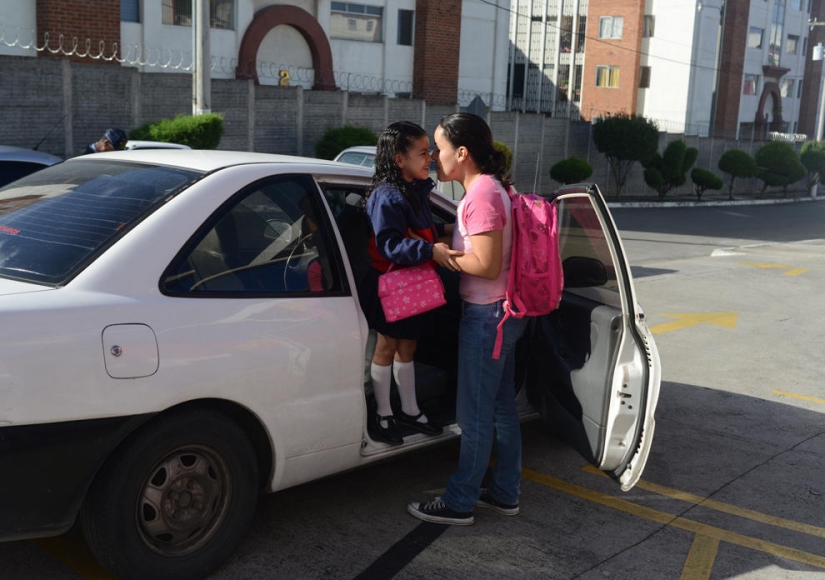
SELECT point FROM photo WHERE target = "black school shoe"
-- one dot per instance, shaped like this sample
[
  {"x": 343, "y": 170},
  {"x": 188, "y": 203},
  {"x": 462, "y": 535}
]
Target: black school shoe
[
  {"x": 389, "y": 434},
  {"x": 437, "y": 512},
  {"x": 411, "y": 421}
]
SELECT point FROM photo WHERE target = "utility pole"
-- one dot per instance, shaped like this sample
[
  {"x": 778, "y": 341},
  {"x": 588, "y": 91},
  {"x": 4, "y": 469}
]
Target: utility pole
[{"x": 201, "y": 59}]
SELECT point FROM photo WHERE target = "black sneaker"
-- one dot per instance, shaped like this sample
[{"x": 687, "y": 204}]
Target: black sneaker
[
  {"x": 436, "y": 512},
  {"x": 389, "y": 434},
  {"x": 412, "y": 421},
  {"x": 486, "y": 500}
]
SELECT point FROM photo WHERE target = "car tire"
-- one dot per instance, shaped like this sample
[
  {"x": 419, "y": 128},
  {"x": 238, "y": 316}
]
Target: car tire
[{"x": 175, "y": 500}]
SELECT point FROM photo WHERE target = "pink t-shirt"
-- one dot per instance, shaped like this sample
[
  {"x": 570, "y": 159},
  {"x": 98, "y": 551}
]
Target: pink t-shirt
[{"x": 485, "y": 207}]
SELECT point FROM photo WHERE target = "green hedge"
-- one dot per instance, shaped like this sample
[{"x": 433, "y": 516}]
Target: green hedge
[
  {"x": 333, "y": 141},
  {"x": 197, "y": 131}
]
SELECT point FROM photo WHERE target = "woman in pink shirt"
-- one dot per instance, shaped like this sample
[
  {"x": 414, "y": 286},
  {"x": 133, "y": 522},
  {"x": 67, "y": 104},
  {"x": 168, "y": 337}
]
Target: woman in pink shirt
[{"x": 485, "y": 401}]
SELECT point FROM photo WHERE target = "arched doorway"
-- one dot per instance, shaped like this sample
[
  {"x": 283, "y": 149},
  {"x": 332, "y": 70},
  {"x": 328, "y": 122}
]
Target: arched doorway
[{"x": 302, "y": 21}]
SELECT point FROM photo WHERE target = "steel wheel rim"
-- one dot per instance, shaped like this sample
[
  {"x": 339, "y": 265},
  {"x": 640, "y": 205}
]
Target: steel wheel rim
[{"x": 184, "y": 500}]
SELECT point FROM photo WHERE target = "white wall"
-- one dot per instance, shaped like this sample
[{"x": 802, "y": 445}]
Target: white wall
[{"x": 484, "y": 52}]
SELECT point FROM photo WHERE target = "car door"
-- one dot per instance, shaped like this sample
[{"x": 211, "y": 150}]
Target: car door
[{"x": 593, "y": 371}]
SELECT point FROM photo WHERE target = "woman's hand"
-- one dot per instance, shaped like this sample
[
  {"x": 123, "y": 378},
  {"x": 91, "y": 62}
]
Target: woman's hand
[{"x": 446, "y": 257}]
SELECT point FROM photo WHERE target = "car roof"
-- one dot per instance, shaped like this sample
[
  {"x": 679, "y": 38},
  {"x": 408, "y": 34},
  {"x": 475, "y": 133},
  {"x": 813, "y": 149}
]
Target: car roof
[
  {"x": 10, "y": 153},
  {"x": 140, "y": 144},
  {"x": 207, "y": 160}
]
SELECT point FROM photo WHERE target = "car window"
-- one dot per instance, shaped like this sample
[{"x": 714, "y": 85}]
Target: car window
[
  {"x": 56, "y": 221},
  {"x": 354, "y": 158},
  {"x": 271, "y": 239},
  {"x": 11, "y": 170},
  {"x": 581, "y": 235}
]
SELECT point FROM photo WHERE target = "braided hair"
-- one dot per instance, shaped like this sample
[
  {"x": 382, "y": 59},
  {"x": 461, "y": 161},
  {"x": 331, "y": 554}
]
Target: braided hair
[
  {"x": 397, "y": 138},
  {"x": 471, "y": 131}
]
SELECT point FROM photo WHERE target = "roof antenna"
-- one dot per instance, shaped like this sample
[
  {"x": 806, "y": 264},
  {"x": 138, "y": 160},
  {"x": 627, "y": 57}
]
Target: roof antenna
[{"x": 50, "y": 132}]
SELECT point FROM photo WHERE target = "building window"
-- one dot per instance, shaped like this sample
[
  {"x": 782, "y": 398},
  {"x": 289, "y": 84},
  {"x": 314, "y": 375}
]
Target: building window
[
  {"x": 755, "y": 37},
  {"x": 356, "y": 22},
  {"x": 611, "y": 26},
  {"x": 130, "y": 10},
  {"x": 179, "y": 13},
  {"x": 650, "y": 20},
  {"x": 751, "y": 85},
  {"x": 799, "y": 89},
  {"x": 406, "y": 20},
  {"x": 580, "y": 37},
  {"x": 644, "y": 78},
  {"x": 607, "y": 76},
  {"x": 792, "y": 44},
  {"x": 786, "y": 88}
]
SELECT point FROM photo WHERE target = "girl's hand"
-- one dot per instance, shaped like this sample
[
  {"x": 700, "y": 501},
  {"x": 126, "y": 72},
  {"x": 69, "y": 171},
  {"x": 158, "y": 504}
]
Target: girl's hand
[{"x": 445, "y": 257}]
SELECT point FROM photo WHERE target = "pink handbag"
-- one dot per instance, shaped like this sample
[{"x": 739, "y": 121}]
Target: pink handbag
[{"x": 409, "y": 291}]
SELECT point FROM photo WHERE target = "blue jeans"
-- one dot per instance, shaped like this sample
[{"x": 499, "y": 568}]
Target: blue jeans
[{"x": 486, "y": 408}]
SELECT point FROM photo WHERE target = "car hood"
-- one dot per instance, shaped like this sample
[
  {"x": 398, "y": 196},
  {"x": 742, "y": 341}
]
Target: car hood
[{"x": 16, "y": 287}]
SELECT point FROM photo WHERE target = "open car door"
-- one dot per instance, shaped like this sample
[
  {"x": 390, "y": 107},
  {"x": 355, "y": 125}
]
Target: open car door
[{"x": 593, "y": 370}]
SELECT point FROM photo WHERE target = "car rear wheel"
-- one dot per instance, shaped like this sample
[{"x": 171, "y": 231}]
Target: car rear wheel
[{"x": 176, "y": 500}]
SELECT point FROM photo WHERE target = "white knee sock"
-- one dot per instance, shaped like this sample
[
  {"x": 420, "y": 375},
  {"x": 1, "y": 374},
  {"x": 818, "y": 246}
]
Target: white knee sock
[
  {"x": 404, "y": 374},
  {"x": 381, "y": 379}
]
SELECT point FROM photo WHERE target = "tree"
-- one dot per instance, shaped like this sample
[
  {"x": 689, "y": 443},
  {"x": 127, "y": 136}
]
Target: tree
[
  {"x": 667, "y": 171},
  {"x": 813, "y": 158},
  {"x": 333, "y": 141},
  {"x": 703, "y": 179},
  {"x": 736, "y": 163},
  {"x": 508, "y": 155},
  {"x": 571, "y": 170},
  {"x": 625, "y": 139},
  {"x": 778, "y": 165}
]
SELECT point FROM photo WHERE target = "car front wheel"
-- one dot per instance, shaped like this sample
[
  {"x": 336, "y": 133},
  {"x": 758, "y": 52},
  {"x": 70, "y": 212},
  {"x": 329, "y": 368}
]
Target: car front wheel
[{"x": 175, "y": 500}]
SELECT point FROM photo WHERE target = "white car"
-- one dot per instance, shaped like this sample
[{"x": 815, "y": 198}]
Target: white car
[
  {"x": 363, "y": 155},
  {"x": 166, "y": 355}
]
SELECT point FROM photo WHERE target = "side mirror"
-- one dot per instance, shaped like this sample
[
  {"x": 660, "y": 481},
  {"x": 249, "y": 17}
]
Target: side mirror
[{"x": 581, "y": 272}]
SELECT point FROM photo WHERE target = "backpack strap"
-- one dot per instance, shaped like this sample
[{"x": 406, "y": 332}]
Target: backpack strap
[{"x": 511, "y": 280}]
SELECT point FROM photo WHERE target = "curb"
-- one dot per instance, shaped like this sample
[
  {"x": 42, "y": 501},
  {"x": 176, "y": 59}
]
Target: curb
[{"x": 719, "y": 203}]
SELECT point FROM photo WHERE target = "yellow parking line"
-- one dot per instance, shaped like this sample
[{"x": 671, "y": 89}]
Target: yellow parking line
[
  {"x": 75, "y": 554},
  {"x": 700, "y": 559},
  {"x": 795, "y": 396},
  {"x": 672, "y": 520},
  {"x": 723, "y": 507}
]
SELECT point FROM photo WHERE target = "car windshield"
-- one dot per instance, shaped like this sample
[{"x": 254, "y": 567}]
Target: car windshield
[{"x": 56, "y": 221}]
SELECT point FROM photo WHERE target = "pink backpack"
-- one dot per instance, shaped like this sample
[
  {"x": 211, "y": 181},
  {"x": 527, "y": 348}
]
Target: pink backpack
[{"x": 536, "y": 280}]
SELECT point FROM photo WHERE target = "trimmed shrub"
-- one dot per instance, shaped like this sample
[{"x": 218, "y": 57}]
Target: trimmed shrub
[
  {"x": 778, "y": 165},
  {"x": 736, "y": 163},
  {"x": 333, "y": 141},
  {"x": 813, "y": 158},
  {"x": 197, "y": 131},
  {"x": 703, "y": 180},
  {"x": 571, "y": 170},
  {"x": 667, "y": 171}
]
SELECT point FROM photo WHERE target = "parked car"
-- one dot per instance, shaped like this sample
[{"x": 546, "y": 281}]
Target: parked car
[
  {"x": 363, "y": 155},
  {"x": 167, "y": 357},
  {"x": 138, "y": 144},
  {"x": 17, "y": 162}
]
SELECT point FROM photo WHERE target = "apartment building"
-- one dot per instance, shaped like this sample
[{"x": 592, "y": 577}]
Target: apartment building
[{"x": 728, "y": 68}]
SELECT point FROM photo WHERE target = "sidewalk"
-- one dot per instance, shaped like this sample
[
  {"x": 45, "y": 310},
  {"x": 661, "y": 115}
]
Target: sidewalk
[{"x": 715, "y": 199}]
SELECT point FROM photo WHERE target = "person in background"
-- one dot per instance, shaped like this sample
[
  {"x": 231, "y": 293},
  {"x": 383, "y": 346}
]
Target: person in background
[
  {"x": 404, "y": 233},
  {"x": 113, "y": 139},
  {"x": 485, "y": 400}
]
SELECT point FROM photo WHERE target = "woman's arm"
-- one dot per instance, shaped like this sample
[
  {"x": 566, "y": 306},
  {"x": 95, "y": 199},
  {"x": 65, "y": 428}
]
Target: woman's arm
[{"x": 485, "y": 261}]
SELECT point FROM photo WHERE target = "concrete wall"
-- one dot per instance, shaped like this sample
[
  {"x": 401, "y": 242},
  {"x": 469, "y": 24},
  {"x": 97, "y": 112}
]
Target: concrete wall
[{"x": 69, "y": 105}]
